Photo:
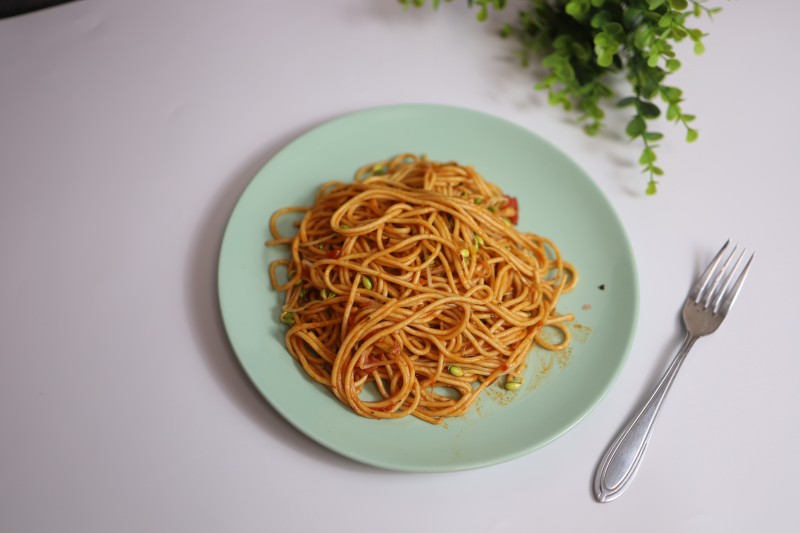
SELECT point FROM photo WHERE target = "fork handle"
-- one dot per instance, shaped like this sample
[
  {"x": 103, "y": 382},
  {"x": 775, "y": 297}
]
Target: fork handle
[{"x": 622, "y": 459}]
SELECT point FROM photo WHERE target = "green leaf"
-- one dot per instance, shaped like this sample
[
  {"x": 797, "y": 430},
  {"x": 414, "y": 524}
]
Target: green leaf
[
  {"x": 627, "y": 101},
  {"x": 636, "y": 127},
  {"x": 605, "y": 59},
  {"x": 688, "y": 118},
  {"x": 655, "y": 4},
  {"x": 573, "y": 9},
  {"x": 657, "y": 171},
  {"x": 652, "y": 136},
  {"x": 648, "y": 156},
  {"x": 651, "y": 84},
  {"x": 649, "y": 110},
  {"x": 556, "y": 99},
  {"x": 651, "y": 188},
  {"x": 581, "y": 52},
  {"x": 592, "y": 129},
  {"x": 600, "y": 18},
  {"x": 436, "y": 4},
  {"x": 631, "y": 17},
  {"x": 671, "y": 94},
  {"x": 566, "y": 71},
  {"x": 699, "y": 48},
  {"x": 552, "y": 61},
  {"x": 673, "y": 65},
  {"x": 615, "y": 31},
  {"x": 642, "y": 37},
  {"x": 678, "y": 33},
  {"x": 695, "y": 35},
  {"x": 673, "y": 112},
  {"x": 691, "y": 135},
  {"x": 483, "y": 14},
  {"x": 652, "y": 61},
  {"x": 665, "y": 21},
  {"x": 680, "y": 5},
  {"x": 604, "y": 40},
  {"x": 563, "y": 42}
]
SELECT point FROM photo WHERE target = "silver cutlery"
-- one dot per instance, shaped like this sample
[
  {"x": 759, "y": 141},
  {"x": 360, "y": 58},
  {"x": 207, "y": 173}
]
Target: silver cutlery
[{"x": 706, "y": 306}]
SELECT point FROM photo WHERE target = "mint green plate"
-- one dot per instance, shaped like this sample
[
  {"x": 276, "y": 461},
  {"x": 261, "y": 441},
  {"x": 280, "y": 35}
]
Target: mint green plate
[{"x": 557, "y": 199}]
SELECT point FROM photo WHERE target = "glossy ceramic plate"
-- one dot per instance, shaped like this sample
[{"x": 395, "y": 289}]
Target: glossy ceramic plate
[{"x": 557, "y": 199}]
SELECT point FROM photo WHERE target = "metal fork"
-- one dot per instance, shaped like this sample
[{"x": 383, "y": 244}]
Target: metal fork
[{"x": 706, "y": 306}]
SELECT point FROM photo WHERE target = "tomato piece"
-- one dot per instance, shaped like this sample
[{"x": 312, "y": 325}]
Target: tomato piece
[{"x": 512, "y": 203}]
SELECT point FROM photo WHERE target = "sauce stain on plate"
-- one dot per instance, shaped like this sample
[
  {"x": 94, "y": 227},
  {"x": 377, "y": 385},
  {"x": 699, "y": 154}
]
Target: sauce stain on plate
[{"x": 543, "y": 365}]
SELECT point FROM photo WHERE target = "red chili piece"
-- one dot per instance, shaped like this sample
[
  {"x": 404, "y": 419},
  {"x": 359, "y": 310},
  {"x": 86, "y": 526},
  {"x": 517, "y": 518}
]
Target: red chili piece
[{"x": 511, "y": 202}]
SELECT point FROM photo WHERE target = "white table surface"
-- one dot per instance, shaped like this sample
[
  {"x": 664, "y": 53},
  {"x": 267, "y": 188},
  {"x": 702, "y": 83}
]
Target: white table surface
[{"x": 128, "y": 131}]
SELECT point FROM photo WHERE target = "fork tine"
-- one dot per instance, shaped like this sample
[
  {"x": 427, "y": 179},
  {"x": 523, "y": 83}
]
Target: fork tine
[
  {"x": 731, "y": 296},
  {"x": 698, "y": 287},
  {"x": 719, "y": 295},
  {"x": 722, "y": 272}
]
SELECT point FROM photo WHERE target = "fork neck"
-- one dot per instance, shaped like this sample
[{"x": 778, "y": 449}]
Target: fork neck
[
  {"x": 675, "y": 364},
  {"x": 688, "y": 341}
]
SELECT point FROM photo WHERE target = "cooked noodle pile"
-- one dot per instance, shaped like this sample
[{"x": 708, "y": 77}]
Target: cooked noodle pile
[{"x": 409, "y": 290}]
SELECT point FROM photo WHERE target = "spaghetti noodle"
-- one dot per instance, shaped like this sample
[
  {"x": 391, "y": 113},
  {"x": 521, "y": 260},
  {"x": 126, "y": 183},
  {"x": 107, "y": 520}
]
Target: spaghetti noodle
[{"x": 410, "y": 291}]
